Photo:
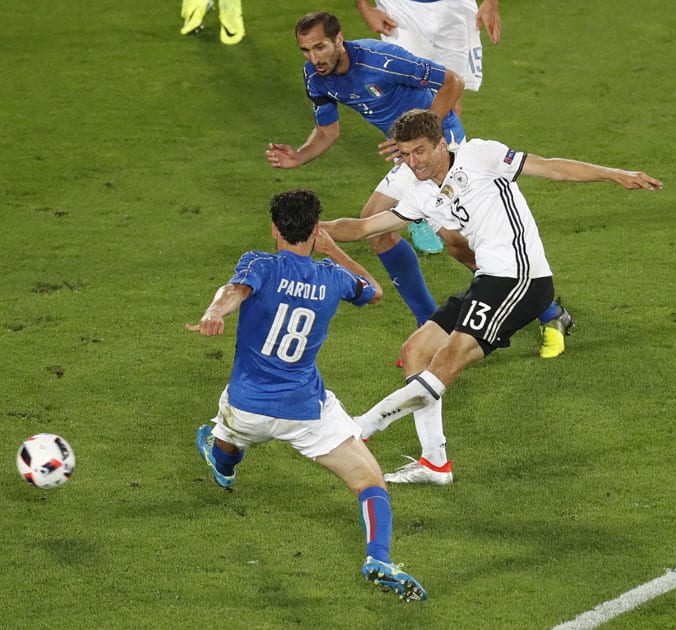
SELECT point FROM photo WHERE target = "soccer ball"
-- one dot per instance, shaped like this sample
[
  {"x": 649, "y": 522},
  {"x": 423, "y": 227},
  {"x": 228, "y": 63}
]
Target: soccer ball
[{"x": 45, "y": 460}]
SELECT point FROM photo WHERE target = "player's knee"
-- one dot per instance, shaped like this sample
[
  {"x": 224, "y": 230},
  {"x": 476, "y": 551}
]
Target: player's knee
[{"x": 410, "y": 354}]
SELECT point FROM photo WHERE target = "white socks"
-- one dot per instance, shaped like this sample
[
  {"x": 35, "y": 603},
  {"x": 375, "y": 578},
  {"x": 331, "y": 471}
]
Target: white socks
[
  {"x": 429, "y": 426},
  {"x": 422, "y": 390}
]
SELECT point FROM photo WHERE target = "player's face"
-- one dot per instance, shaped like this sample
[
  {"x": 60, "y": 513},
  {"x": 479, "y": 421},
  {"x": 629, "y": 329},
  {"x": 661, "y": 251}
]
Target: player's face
[
  {"x": 425, "y": 159},
  {"x": 322, "y": 52}
]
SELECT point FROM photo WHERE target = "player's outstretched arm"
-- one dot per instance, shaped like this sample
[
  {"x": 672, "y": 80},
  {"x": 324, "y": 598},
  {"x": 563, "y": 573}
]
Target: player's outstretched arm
[
  {"x": 562, "y": 169},
  {"x": 378, "y": 21},
  {"x": 347, "y": 230},
  {"x": 319, "y": 141},
  {"x": 489, "y": 16},
  {"x": 324, "y": 244},
  {"x": 227, "y": 300}
]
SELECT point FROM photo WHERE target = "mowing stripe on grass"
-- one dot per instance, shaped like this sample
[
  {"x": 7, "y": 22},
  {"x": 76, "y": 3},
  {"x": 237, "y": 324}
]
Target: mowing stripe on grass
[{"x": 625, "y": 602}]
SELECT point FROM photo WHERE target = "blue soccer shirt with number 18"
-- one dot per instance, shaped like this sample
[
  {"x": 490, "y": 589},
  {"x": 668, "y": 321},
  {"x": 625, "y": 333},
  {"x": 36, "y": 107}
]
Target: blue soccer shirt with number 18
[{"x": 282, "y": 325}]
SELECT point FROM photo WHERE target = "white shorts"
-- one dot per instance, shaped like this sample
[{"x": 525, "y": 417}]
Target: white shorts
[
  {"x": 311, "y": 438},
  {"x": 444, "y": 31}
]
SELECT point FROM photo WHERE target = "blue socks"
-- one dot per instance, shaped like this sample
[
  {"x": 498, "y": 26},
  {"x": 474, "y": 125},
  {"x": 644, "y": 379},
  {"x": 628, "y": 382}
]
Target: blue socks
[
  {"x": 375, "y": 517},
  {"x": 403, "y": 267},
  {"x": 551, "y": 312},
  {"x": 225, "y": 462}
]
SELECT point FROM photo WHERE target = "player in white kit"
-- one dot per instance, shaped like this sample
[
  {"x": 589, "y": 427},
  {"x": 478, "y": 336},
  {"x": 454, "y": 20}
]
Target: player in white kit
[
  {"x": 446, "y": 31},
  {"x": 471, "y": 190}
]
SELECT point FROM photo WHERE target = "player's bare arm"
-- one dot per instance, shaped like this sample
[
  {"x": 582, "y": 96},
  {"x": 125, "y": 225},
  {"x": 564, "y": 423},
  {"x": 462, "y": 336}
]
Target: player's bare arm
[
  {"x": 562, "y": 169},
  {"x": 458, "y": 247},
  {"x": 489, "y": 16},
  {"x": 447, "y": 98},
  {"x": 378, "y": 21},
  {"x": 346, "y": 230},
  {"x": 324, "y": 244},
  {"x": 320, "y": 140},
  {"x": 227, "y": 300},
  {"x": 448, "y": 94}
]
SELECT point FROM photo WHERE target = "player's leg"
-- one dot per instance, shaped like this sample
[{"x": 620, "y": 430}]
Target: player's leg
[
  {"x": 416, "y": 354},
  {"x": 193, "y": 12},
  {"x": 413, "y": 21},
  {"x": 425, "y": 388},
  {"x": 333, "y": 442},
  {"x": 354, "y": 464},
  {"x": 489, "y": 313},
  {"x": 457, "y": 42},
  {"x": 232, "y": 22},
  {"x": 395, "y": 253},
  {"x": 556, "y": 323},
  {"x": 221, "y": 456},
  {"x": 433, "y": 465},
  {"x": 223, "y": 446}
]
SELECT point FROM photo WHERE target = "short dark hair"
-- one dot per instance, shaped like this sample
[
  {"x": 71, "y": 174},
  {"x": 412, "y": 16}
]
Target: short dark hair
[
  {"x": 327, "y": 20},
  {"x": 295, "y": 213},
  {"x": 415, "y": 124}
]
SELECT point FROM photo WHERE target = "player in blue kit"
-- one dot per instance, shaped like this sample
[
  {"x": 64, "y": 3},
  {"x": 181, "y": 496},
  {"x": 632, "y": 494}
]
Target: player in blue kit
[
  {"x": 286, "y": 301},
  {"x": 380, "y": 81}
]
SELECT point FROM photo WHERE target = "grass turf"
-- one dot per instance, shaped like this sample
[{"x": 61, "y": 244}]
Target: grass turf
[{"x": 132, "y": 177}]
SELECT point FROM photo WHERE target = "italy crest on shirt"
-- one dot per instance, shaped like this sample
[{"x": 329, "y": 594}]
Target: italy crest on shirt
[{"x": 374, "y": 89}]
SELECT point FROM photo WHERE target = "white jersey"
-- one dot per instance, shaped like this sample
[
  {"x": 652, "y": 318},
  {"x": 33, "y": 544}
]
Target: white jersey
[{"x": 479, "y": 198}]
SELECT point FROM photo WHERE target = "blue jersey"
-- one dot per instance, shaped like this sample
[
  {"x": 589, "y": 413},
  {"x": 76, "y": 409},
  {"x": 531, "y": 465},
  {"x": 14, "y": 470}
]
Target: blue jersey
[
  {"x": 282, "y": 325},
  {"x": 382, "y": 83}
]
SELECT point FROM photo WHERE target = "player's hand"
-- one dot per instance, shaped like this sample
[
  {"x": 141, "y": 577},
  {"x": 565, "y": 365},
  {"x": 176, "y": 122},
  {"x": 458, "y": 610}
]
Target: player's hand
[
  {"x": 282, "y": 156},
  {"x": 207, "y": 327},
  {"x": 378, "y": 21},
  {"x": 389, "y": 151},
  {"x": 489, "y": 16},
  {"x": 636, "y": 179},
  {"x": 324, "y": 244}
]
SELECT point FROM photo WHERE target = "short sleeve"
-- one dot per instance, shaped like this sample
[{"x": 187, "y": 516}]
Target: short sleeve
[
  {"x": 325, "y": 108},
  {"x": 500, "y": 160},
  {"x": 249, "y": 270}
]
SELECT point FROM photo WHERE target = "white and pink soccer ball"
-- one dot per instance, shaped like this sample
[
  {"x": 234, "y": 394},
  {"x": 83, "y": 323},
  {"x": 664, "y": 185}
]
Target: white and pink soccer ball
[{"x": 46, "y": 460}]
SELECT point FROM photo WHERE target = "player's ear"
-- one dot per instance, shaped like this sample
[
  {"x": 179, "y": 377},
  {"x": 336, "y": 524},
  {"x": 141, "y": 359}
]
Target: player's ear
[
  {"x": 275, "y": 231},
  {"x": 340, "y": 38}
]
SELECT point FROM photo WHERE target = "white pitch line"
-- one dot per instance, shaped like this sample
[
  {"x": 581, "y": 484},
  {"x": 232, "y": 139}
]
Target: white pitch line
[{"x": 625, "y": 602}]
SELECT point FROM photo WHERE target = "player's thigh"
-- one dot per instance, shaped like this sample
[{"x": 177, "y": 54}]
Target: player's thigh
[
  {"x": 457, "y": 41},
  {"x": 415, "y": 23},
  {"x": 418, "y": 350}
]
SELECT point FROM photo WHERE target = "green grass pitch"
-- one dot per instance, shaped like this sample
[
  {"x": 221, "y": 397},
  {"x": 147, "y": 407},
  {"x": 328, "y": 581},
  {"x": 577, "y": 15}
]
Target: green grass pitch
[{"x": 132, "y": 176}]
